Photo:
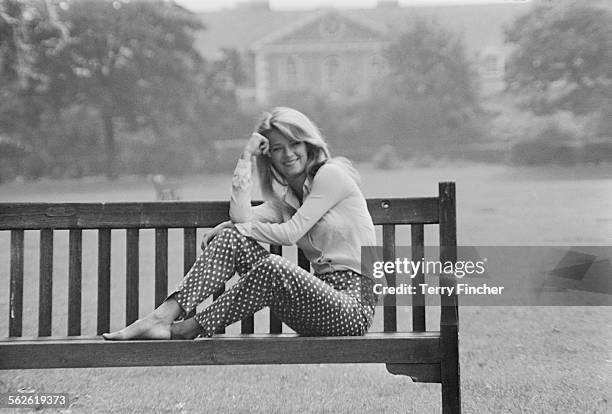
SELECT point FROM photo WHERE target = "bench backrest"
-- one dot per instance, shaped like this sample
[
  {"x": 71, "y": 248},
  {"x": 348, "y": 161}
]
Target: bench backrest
[{"x": 161, "y": 216}]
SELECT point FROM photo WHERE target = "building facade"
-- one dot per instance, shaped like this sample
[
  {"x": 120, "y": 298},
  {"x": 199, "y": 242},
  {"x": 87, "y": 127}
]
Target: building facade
[
  {"x": 340, "y": 52},
  {"x": 324, "y": 52}
]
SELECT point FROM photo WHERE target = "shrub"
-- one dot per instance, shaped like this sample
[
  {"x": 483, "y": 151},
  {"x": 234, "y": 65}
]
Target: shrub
[
  {"x": 559, "y": 138},
  {"x": 542, "y": 151},
  {"x": 597, "y": 152},
  {"x": 386, "y": 158}
]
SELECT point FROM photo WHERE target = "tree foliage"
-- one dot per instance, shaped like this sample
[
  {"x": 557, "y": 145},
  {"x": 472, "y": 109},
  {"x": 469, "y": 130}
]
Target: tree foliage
[
  {"x": 133, "y": 61},
  {"x": 429, "y": 61},
  {"x": 31, "y": 37},
  {"x": 29, "y": 30},
  {"x": 428, "y": 102},
  {"x": 563, "y": 57},
  {"x": 219, "y": 101},
  {"x": 130, "y": 62}
]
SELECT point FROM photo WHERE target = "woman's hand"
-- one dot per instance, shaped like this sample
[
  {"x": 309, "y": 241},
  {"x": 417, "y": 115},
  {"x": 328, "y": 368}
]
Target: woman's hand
[
  {"x": 210, "y": 235},
  {"x": 257, "y": 144}
]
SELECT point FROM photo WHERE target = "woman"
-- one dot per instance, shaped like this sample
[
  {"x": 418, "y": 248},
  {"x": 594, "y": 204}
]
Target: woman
[{"x": 311, "y": 200}]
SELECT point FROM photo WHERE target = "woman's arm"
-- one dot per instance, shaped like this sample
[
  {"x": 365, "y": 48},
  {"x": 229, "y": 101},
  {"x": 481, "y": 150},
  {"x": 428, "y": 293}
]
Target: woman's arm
[
  {"x": 241, "y": 210},
  {"x": 329, "y": 187}
]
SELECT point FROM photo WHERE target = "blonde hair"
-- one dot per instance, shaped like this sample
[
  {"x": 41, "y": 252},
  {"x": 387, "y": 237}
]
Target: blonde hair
[{"x": 295, "y": 126}]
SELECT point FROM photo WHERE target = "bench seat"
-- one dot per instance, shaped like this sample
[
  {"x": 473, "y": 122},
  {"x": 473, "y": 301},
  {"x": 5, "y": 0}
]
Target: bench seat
[{"x": 226, "y": 349}]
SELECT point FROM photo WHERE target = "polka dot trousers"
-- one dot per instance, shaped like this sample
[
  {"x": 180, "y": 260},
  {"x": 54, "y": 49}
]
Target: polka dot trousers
[{"x": 333, "y": 304}]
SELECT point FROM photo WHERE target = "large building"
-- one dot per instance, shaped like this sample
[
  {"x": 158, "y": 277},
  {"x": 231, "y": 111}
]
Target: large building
[{"x": 341, "y": 51}]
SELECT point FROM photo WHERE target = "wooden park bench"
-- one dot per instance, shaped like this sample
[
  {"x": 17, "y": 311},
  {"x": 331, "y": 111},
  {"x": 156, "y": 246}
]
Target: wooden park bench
[{"x": 425, "y": 356}]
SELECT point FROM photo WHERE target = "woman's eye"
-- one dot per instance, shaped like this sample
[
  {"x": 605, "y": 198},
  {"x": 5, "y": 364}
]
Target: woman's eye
[{"x": 295, "y": 144}]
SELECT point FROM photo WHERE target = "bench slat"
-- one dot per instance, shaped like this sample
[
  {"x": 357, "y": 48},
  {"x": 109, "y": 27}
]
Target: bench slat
[
  {"x": 75, "y": 247},
  {"x": 303, "y": 261},
  {"x": 389, "y": 310},
  {"x": 418, "y": 299},
  {"x": 104, "y": 263},
  {"x": 178, "y": 214},
  {"x": 16, "y": 291},
  {"x": 397, "y": 348},
  {"x": 398, "y": 211},
  {"x": 131, "y": 275},
  {"x": 215, "y": 296},
  {"x": 112, "y": 215},
  {"x": 190, "y": 249},
  {"x": 45, "y": 294},
  {"x": 276, "y": 325},
  {"x": 161, "y": 265},
  {"x": 247, "y": 325}
]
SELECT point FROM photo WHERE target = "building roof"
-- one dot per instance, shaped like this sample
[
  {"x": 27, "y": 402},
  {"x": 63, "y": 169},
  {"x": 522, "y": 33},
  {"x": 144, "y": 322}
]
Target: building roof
[
  {"x": 481, "y": 25},
  {"x": 327, "y": 27}
]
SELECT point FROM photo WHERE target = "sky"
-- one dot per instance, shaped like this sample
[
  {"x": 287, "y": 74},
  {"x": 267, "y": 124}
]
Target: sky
[{"x": 210, "y": 5}]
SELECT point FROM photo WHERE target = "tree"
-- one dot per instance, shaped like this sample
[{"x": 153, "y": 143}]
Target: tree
[
  {"x": 429, "y": 99},
  {"x": 428, "y": 60},
  {"x": 133, "y": 61},
  {"x": 219, "y": 114},
  {"x": 562, "y": 58}
]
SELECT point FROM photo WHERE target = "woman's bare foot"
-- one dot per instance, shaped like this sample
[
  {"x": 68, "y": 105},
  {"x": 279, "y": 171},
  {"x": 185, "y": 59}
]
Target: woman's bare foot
[
  {"x": 150, "y": 327},
  {"x": 155, "y": 325},
  {"x": 187, "y": 329}
]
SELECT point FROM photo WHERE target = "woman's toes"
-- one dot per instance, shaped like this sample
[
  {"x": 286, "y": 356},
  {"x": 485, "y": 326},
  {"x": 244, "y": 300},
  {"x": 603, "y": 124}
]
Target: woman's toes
[
  {"x": 141, "y": 329},
  {"x": 114, "y": 336}
]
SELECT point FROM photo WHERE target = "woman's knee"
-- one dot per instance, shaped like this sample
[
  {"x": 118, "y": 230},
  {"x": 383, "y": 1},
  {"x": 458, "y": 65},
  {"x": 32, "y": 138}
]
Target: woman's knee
[
  {"x": 278, "y": 268},
  {"x": 229, "y": 232},
  {"x": 275, "y": 262},
  {"x": 225, "y": 235}
]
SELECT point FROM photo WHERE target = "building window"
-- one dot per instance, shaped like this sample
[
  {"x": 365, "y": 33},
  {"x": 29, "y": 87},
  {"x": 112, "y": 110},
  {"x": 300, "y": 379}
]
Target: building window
[
  {"x": 377, "y": 66},
  {"x": 490, "y": 64},
  {"x": 289, "y": 73},
  {"x": 331, "y": 72}
]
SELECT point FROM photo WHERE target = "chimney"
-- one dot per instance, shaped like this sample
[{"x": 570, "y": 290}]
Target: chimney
[
  {"x": 253, "y": 5},
  {"x": 388, "y": 4}
]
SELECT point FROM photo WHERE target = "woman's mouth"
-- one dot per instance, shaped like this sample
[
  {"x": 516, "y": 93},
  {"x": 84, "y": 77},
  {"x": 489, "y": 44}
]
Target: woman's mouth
[{"x": 290, "y": 163}]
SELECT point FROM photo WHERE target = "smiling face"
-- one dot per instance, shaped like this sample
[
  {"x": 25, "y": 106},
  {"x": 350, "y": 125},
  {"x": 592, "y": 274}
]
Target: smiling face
[{"x": 288, "y": 157}]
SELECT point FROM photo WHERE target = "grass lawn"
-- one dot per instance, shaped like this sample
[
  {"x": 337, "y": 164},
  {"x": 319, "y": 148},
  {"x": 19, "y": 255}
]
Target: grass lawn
[{"x": 513, "y": 359}]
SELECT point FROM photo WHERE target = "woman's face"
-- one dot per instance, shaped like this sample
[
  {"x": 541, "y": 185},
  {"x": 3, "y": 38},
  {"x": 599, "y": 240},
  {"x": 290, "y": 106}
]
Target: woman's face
[{"x": 288, "y": 157}]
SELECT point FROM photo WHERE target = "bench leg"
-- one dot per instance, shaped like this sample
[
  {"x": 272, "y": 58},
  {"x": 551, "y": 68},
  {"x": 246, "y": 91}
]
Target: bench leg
[{"x": 449, "y": 370}]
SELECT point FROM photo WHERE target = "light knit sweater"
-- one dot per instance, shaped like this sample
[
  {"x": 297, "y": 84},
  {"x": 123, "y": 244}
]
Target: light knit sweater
[{"x": 330, "y": 226}]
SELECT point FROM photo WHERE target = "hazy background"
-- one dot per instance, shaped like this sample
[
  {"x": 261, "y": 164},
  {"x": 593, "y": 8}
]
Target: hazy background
[
  {"x": 211, "y": 5},
  {"x": 123, "y": 88}
]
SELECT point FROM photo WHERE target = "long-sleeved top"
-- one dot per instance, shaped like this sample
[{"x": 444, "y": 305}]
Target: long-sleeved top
[{"x": 330, "y": 225}]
